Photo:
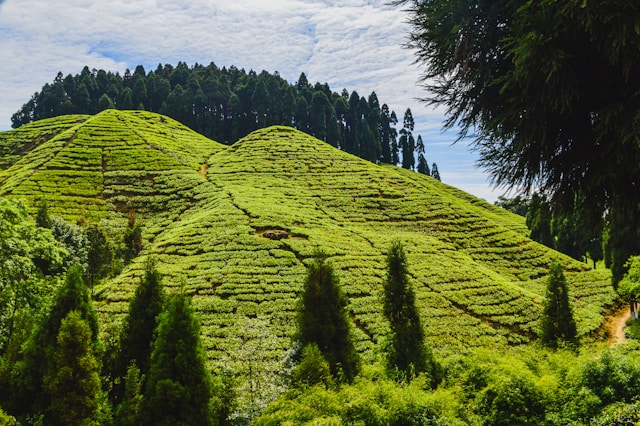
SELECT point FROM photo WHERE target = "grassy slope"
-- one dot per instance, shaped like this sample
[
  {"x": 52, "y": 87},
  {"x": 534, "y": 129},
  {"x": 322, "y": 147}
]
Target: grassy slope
[{"x": 479, "y": 280}]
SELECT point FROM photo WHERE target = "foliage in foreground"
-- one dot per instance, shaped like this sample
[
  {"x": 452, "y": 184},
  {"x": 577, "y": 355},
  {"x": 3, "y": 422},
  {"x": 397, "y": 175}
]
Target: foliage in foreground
[
  {"x": 514, "y": 74},
  {"x": 523, "y": 387}
]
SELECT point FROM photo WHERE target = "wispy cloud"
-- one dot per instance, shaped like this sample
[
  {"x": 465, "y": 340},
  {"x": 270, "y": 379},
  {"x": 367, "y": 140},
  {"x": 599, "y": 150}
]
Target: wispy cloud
[{"x": 353, "y": 44}]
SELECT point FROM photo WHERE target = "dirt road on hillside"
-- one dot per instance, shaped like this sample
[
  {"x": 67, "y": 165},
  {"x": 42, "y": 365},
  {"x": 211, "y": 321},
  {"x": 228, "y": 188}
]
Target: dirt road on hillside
[{"x": 616, "y": 324}]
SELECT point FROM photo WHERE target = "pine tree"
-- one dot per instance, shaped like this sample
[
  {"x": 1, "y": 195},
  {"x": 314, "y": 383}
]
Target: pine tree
[
  {"x": 407, "y": 355},
  {"x": 128, "y": 411},
  {"x": 132, "y": 239},
  {"x": 312, "y": 370},
  {"x": 38, "y": 353},
  {"x": 43, "y": 220},
  {"x": 178, "y": 389},
  {"x": 435, "y": 173},
  {"x": 323, "y": 319},
  {"x": 137, "y": 331},
  {"x": 99, "y": 256},
  {"x": 73, "y": 382},
  {"x": 423, "y": 167},
  {"x": 105, "y": 102},
  {"x": 557, "y": 323},
  {"x": 539, "y": 220}
]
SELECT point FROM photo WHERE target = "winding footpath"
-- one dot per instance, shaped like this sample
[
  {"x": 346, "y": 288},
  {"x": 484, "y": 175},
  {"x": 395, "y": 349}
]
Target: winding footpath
[{"x": 616, "y": 325}]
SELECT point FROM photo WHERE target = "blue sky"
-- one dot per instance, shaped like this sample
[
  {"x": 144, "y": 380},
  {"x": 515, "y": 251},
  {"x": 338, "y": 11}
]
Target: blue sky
[{"x": 353, "y": 44}]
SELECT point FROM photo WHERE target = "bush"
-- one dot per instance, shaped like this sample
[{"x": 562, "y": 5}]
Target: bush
[
  {"x": 313, "y": 369},
  {"x": 512, "y": 400}
]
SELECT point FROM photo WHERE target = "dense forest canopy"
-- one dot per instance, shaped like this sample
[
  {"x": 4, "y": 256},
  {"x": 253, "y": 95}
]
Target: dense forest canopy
[{"x": 226, "y": 104}]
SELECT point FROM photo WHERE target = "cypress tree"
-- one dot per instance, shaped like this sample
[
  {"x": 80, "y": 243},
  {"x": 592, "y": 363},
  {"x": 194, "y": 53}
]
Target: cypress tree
[
  {"x": 38, "y": 353},
  {"x": 105, "y": 102},
  {"x": 423, "y": 167},
  {"x": 407, "y": 354},
  {"x": 323, "y": 320},
  {"x": 128, "y": 411},
  {"x": 99, "y": 256},
  {"x": 73, "y": 383},
  {"x": 43, "y": 220},
  {"x": 137, "y": 331},
  {"x": 178, "y": 388},
  {"x": 434, "y": 172},
  {"x": 557, "y": 321},
  {"x": 132, "y": 239}
]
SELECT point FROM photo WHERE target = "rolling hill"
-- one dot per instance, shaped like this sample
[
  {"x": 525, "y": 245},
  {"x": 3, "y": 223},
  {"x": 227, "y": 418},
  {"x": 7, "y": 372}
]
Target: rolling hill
[{"x": 234, "y": 225}]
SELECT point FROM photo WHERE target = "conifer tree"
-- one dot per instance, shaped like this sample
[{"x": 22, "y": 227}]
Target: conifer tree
[
  {"x": 312, "y": 370},
  {"x": 73, "y": 382},
  {"x": 423, "y": 167},
  {"x": 43, "y": 220},
  {"x": 37, "y": 362},
  {"x": 139, "y": 324},
  {"x": 539, "y": 220},
  {"x": 557, "y": 323},
  {"x": 323, "y": 319},
  {"x": 105, "y": 102},
  {"x": 127, "y": 412},
  {"x": 99, "y": 256},
  {"x": 407, "y": 355},
  {"x": 178, "y": 388},
  {"x": 435, "y": 173},
  {"x": 132, "y": 238}
]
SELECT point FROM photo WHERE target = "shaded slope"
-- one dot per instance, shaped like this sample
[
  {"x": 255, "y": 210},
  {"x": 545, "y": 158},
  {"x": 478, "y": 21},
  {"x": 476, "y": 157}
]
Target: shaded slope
[{"x": 479, "y": 280}]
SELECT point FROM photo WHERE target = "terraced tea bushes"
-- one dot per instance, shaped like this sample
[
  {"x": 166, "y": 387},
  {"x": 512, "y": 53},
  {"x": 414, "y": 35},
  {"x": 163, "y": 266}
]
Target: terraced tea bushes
[{"x": 210, "y": 215}]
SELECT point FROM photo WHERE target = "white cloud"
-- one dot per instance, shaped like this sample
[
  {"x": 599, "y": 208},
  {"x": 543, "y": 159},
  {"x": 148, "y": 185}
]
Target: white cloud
[{"x": 353, "y": 44}]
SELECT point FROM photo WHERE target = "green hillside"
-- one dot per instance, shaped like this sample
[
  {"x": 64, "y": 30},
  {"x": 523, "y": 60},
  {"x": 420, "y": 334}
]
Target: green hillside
[{"x": 214, "y": 217}]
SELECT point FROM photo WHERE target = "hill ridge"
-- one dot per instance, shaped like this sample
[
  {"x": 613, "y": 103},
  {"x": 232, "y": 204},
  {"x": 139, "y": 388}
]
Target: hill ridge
[{"x": 479, "y": 280}]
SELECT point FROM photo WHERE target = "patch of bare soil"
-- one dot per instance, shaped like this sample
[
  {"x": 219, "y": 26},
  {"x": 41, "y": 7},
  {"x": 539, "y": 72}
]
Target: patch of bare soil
[{"x": 615, "y": 325}]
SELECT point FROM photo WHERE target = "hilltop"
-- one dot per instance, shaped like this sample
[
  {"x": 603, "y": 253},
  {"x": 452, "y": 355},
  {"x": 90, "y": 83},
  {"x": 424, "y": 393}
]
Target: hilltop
[{"x": 235, "y": 224}]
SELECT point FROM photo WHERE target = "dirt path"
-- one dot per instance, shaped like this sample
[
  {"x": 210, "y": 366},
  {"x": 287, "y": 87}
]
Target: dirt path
[{"x": 616, "y": 324}]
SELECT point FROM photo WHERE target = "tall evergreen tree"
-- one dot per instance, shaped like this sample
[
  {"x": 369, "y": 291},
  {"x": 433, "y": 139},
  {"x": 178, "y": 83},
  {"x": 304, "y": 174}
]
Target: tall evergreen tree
[
  {"x": 407, "y": 355},
  {"x": 407, "y": 142},
  {"x": 137, "y": 331},
  {"x": 128, "y": 411},
  {"x": 435, "y": 173},
  {"x": 514, "y": 74},
  {"x": 393, "y": 120},
  {"x": 132, "y": 238},
  {"x": 323, "y": 319},
  {"x": 43, "y": 220},
  {"x": 423, "y": 167},
  {"x": 317, "y": 115},
  {"x": 99, "y": 256},
  {"x": 105, "y": 102},
  {"x": 539, "y": 220},
  {"x": 73, "y": 382},
  {"x": 38, "y": 352},
  {"x": 557, "y": 323},
  {"x": 178, "y": 389}
]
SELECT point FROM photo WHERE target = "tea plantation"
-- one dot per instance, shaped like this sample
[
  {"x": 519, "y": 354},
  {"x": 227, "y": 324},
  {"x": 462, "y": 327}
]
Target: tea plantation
[{"x": 234, "y": 226}]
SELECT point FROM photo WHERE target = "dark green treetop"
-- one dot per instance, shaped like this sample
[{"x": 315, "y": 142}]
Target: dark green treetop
[
  {"x": 549, "y": 91},
  {"x": 407, "y": 355},
  {"x": 323, "y": 319},
  {"x": 73, "y": 382},
  {"x": 178, "y": 388},
  {"x": 557, "y": 322}
]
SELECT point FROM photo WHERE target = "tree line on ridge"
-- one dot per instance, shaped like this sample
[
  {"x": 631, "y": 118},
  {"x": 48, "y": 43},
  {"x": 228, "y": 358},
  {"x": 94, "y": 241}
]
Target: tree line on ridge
[{"x": 226, "y": 104}]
